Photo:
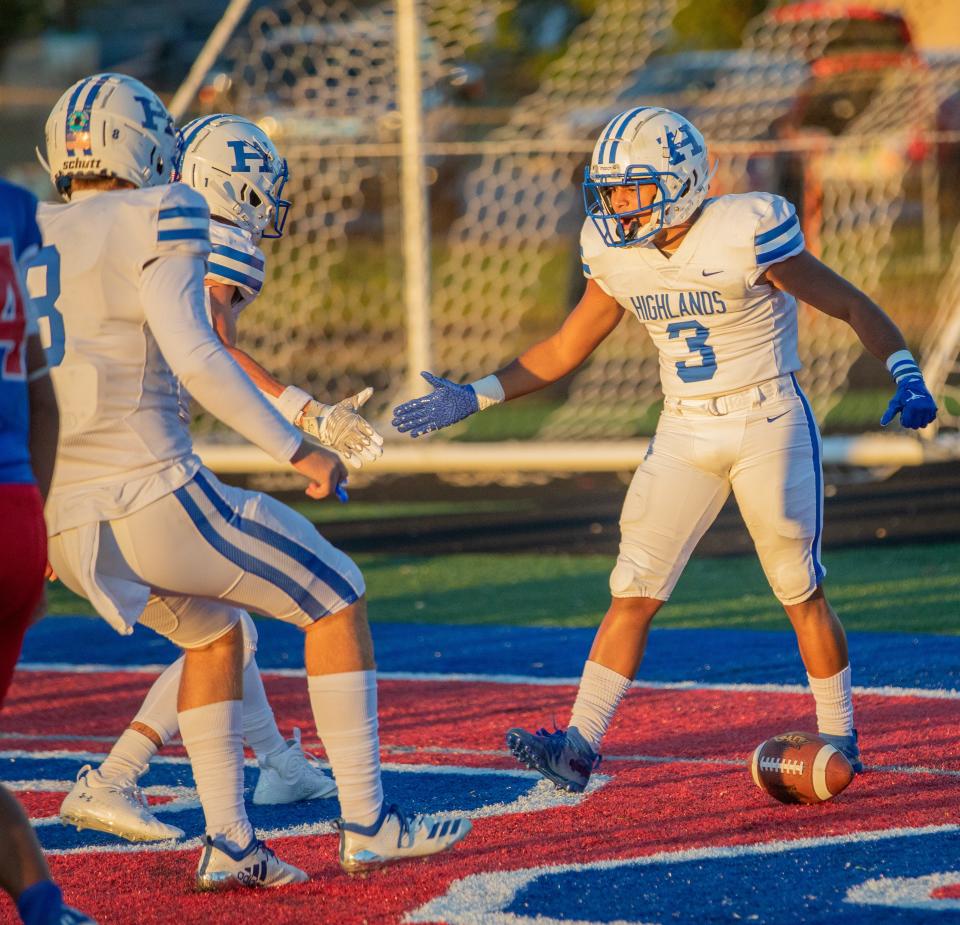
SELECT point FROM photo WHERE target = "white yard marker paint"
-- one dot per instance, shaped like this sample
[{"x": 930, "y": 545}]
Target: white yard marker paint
[
  {"x": 906, "y": 892},
  {"x": 481, "y": 899},
  {"x": 432, "y": 677}
]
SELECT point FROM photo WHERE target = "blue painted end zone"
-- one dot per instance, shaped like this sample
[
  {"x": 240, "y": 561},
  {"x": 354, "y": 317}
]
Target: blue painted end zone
[
  {"x": 705, "y": 656},
  {"x": 808, "y": 885}
]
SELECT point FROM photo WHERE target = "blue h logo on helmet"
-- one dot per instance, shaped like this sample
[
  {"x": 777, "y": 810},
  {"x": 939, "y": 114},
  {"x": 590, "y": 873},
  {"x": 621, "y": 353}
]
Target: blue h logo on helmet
[
  {"x": 151, "y": 113},
  {"x": 677, "y": 141},
  {"x": 244, "y": 151}
]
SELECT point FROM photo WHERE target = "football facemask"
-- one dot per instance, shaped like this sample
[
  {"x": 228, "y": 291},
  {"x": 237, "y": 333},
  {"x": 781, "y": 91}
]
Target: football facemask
[{"x": 645, "y": 146}]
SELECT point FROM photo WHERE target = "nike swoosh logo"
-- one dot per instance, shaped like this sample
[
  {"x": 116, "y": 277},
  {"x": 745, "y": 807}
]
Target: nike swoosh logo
[
  {"x": 711, "y": 272},
  {"x": 777, "y": 417}
]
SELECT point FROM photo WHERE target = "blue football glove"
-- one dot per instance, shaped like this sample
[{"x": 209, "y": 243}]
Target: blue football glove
[
  {"x": 913, "y": 403},
  {"x": 445, "y": 405}
]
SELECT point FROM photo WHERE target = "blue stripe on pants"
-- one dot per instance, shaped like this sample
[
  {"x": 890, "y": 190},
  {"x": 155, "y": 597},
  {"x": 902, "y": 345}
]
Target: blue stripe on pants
[
  {"x": 313, "y": 563},
  {"x": 818, "y": 475},
  {"x": 304, "y": 599}
]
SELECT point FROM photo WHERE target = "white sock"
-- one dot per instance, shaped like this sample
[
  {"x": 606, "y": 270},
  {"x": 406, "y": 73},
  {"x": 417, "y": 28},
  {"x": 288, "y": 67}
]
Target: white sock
[
  {"x": 600, "y": 693},
  {"x": 834, "y": 703},
  {"x": 159, "y": 708},
  {"x": 211, "y": 736},
  {"x": 259, "y": 726},
  {"x": 128, "y": 759},
  {"x": 345, "y": 711}
]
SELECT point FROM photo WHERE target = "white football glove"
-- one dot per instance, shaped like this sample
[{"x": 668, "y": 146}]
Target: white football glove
[{"x": 341, "y": 428}]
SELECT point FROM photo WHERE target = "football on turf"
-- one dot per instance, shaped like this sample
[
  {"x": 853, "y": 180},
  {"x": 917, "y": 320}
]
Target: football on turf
[{"x": 800, "y": 767}]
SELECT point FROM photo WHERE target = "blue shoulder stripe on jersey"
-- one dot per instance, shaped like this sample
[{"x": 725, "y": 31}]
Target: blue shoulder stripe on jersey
[
  {"x": 335, "y": 581},
  {"x": 241, "y": 256},
  {"x": 586, "y": 269},
  {"x": 622, "y": 128},
  {"x": 182, "y": 212},
  {"x": 184, "y": 234},
  {"x": 305, "y": 600},
  {"x": 197, "y": 129},
  {"x": 783, "y": 250},
  {"x": 218, "y": 269},
  {"x": 776, "y": 232}
]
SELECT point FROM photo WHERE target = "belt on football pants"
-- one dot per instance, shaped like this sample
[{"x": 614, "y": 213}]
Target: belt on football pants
[{"x": 752, "y": 396}]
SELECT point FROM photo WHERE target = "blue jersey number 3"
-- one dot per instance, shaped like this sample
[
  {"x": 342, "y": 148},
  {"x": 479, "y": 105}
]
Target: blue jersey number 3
[
  {"x": 52, "y": 333},
  {"x": 697, "y": 344}
]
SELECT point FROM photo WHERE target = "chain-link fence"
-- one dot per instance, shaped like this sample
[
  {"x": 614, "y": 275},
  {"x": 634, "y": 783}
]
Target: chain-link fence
[{"x": 833, "y": 108}]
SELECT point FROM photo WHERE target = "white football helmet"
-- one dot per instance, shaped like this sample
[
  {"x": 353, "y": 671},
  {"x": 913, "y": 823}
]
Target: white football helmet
[
  {"x": 109, "y": 125},
  {"x": 234, "y": 165},
  {"x": 646, "y": 145}
]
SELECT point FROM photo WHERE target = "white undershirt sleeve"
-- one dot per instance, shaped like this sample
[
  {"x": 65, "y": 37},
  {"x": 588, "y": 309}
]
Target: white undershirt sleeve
[{"x": 172, "y": 293}]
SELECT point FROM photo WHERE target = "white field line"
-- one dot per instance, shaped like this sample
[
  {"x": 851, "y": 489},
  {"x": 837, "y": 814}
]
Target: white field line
[
  {"x": 882, "y": 691},
  {"x": 483, "y": 898},
  {"x": 405, "y": 767}
]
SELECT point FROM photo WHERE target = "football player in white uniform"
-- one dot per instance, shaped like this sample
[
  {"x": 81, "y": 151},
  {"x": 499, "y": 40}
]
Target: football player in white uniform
[
  {"x": 715, "y": 282},
  {"x": 148, "y": 535},
  {"x": 241, "y": 214}
]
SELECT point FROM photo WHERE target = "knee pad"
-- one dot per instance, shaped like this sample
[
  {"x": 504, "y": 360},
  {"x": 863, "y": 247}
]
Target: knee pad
[
  {"x": 633, "y": 578},
  {"x": 190, "y": 623}
]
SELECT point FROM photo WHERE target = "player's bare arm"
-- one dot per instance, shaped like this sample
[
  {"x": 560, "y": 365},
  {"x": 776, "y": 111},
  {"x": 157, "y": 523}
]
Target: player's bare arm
[
  {"x": 585, "y": 328},
  {"x": 339, "y": 426},
  {"x": 811, "y": 281},
  {"x": 225, "y": 326},
  {"x": 44, "y": 415},
  {"x": 591, "y": 321}
]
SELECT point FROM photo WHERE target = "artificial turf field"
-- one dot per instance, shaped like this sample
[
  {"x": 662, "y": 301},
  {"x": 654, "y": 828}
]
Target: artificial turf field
[{"x": 672, "y": 828}]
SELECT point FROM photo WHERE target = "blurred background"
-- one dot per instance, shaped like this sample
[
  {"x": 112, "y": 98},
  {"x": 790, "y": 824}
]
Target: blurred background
[{"x": 436, "y": 151}]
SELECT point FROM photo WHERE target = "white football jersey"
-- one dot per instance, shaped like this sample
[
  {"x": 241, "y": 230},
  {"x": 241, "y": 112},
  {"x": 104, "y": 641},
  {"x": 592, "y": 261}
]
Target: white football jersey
[
  {"x": 122, "y": 444},
  {"x": 235, "y": 261},
  {"x": 717, "y": 326}
]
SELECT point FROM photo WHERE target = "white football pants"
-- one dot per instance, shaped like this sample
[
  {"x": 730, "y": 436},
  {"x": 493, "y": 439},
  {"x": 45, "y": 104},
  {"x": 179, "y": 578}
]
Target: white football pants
[
  {"x": 764, "y": 444},
  {"x": 207, "y": 549}
]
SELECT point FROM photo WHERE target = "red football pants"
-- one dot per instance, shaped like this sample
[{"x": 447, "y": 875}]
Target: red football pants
[{"x": 23, "y": 560}]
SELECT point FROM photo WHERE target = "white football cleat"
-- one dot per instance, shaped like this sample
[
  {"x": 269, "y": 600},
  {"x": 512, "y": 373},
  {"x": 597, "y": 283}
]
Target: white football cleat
[
  {"x": 396, "y": 836},
  {"x": 96, "y": 803},
  {"x": 222, "y": 868},
  {"x": 291, "y": 777}
]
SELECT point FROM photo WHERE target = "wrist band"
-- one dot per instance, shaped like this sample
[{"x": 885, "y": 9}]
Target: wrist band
[
  {"x": 902, "y": 366},
  {"x": 489, "y": 391},
  {"x": 290, "y": 402}
]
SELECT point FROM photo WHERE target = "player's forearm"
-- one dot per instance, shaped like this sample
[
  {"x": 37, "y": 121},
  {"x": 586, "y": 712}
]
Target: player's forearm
[
  {"x": 876, "y": 329},
  {"x": 535, "y": 369},
  {"x": 172, "y": 294},
  {"x": 261, "y": 378}
]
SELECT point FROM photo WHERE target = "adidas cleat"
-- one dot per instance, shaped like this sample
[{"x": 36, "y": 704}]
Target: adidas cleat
[
  {"x": 849, "y": 746},
  {"x": 396, "y": 836},
  {"x": 559, "y": 756},
  {"x": 222, "y": 868},
  {"x": 95, "y": 803},
  {"x": 291, "y": 777}
]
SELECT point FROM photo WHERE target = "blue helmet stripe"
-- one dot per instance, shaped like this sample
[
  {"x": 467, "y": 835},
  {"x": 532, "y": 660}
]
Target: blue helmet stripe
[
  {"x": 91, "y": 96},
  {"x": 623, "y": 125},
  {"x": 72, "y": 104},
  {"x": 201, "y": 124},
  {"x": 615, "y": 127}
]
